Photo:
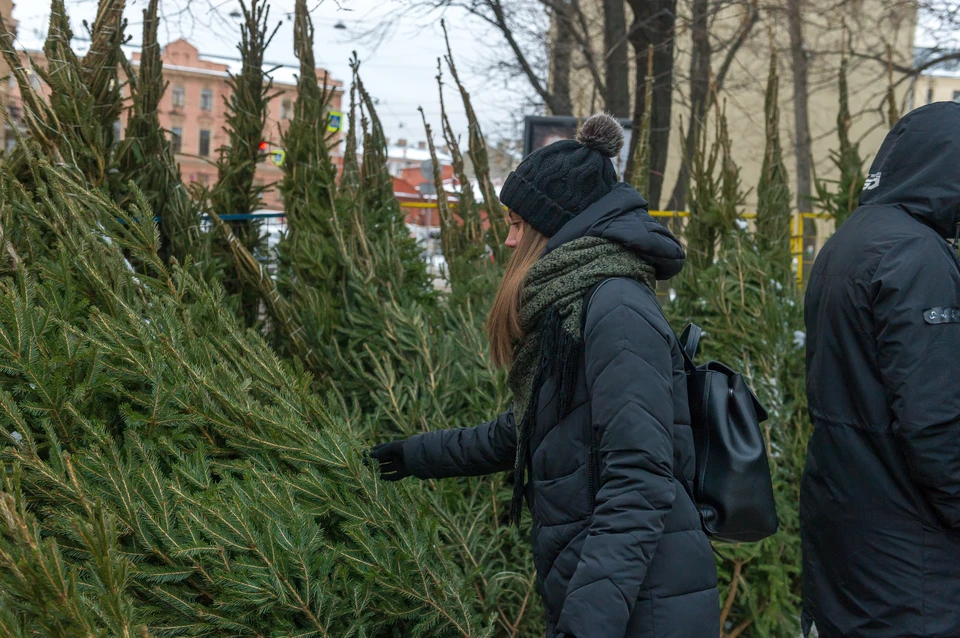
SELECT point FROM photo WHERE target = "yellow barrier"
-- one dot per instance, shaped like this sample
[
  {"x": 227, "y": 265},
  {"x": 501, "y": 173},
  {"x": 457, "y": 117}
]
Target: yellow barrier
[{"x": 796, "y": 237}]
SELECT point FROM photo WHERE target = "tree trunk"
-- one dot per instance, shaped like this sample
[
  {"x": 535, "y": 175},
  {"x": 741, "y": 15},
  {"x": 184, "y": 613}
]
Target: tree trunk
[
  {"x": 699, "y": 90},
  {"x": 617, "y": 69},
  {"x": 654, "y": 22},
  {"x": 561, "y": 56},
  {"x": 801, "y": 102}
]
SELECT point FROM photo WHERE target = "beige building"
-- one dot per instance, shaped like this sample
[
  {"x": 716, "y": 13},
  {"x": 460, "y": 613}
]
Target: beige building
[
  {"x": 940, "y": 83},
  {"x": 870, "y": 26}
]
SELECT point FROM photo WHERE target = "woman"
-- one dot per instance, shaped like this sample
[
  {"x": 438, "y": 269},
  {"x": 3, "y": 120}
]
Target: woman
[{"x": 600, "y": 418}]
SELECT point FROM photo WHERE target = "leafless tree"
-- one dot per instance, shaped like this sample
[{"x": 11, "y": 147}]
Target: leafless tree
[
  {"x": 548, "y": 41},
  {"x": 654, "y": 23},
  {"x": 705, "y": 42},
  {"x": 799, "y": 64},
  {"x": 617, "y": 67}
]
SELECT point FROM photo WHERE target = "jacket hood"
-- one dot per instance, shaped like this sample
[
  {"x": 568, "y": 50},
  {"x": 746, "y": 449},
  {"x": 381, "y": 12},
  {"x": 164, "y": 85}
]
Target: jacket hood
[
  {"x": 621, "y": 216},
  {"x": 918, "y": 168}
]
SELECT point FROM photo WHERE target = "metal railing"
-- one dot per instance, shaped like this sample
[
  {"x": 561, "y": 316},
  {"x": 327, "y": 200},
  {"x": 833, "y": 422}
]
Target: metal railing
[
  {"x": 802, "y": 257},
  {"x": 274, "y": 224}
]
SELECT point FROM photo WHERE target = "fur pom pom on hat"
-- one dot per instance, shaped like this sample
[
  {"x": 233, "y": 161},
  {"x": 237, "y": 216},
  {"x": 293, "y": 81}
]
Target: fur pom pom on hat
[
  {"x": 557, "y": 182},
  {"x": 603, "y": 134}
]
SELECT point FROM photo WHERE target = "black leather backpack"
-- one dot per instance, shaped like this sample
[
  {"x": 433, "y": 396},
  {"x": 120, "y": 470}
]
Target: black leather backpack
[{"x": 733, "y": 488}]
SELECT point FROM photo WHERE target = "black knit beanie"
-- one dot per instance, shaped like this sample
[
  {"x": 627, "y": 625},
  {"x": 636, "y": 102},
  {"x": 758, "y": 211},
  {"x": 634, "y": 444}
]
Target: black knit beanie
[{"x": 557, "y": 182}]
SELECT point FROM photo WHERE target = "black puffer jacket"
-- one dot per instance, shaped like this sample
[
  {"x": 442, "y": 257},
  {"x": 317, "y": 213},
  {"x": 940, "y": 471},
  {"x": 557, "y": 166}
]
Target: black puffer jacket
[
  {"x": 634, "y": 563},
  {"x": 880, "y": 497}
]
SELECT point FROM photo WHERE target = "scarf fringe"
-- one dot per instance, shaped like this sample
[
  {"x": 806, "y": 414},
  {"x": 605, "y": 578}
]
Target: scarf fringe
[
  {"x": 552, "y": 344},
  {"x": 559, "y": 357}
]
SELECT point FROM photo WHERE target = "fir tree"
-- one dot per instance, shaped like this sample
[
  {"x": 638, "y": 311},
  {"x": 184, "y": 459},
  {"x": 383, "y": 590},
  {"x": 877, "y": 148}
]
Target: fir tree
[
  {"x": 401, "y": 362},
  {"x": 183, "y": 478},
  {"x": 732, "y": 195},
  {"x": 703, "y": 203},
  {"x": 754, "y": 323},
  {"x": 85, "y": 100},
  {"x": 641, "y": 153},
  {"x": 462, "y": 236},
  {"x": 235, "y": 193},
  {"x": 752, "y": 319},
  {"x": 773, "y": 191},
  {"x": 100, "y": 67},
  {"x": 841, "y": 200},
  {"x": 496, "y": 215},
  {"x": 38, "y": 117},
  {"x": 468, "y": 208},
  {"x": 379, "y": 242},
  {"x": 308, "y": 254},
  {"x": 146, "y": 158},
  {"x": 715, "y": 195}
]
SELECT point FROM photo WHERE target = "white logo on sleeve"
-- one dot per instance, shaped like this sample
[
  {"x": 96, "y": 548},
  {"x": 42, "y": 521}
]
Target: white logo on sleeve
[{"x": 873, "y": 180}]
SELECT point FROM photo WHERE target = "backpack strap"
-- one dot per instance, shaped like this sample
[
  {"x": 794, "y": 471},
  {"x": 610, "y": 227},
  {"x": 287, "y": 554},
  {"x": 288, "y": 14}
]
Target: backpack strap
[
  {"x": 587, "y": 298},
  {"x": 690, "y": 344},
  {"x": 593, "y": 455}
]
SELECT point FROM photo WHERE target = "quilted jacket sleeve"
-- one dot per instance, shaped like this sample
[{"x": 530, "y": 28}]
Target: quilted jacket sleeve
[
  {"x": 484, "y": 449},
  {"x": 629, "y": 375},
  {"x": 916, "y": 310}
]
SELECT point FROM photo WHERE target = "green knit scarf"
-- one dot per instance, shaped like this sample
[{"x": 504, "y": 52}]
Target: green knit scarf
[{"x": 550, "y": 317}]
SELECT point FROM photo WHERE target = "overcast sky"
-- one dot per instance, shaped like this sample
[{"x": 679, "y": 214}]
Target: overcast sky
[{"x": 399, "y": 71}]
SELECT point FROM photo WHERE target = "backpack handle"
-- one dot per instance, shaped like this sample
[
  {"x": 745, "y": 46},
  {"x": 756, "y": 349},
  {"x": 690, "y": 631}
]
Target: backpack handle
[{"x": 690, "y": 343}]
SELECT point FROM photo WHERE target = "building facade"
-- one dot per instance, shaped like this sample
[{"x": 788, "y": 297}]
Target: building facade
[
  {"x": 193, "y": 111},
  {"x": 940, "y": 83},
  {"x": 863, "y": 31}
]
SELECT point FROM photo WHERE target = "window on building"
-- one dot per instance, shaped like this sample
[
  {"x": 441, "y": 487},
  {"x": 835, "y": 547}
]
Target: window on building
[
  {"x": 176, "y": 139},
  {"x": 203, "y": 178},
  {"x": 178, "y": 97},
  {"x": 286, "y": 109},
  {"x": 117, "y": 132},
  {"x": 204, "y": 150},
  {"x": 930, "y": 95},
  {"x": 956, "y": 96},
  {"x": 206, "y": 100}
]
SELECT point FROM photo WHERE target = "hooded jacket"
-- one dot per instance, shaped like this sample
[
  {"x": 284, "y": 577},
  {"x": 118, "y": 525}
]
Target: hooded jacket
[
  {"x": 880, "y": 496},
  {"x": 631, "y": 562}
]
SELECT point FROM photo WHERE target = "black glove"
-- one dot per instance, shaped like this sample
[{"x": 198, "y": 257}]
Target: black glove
[{"x": 390, "y": 457}]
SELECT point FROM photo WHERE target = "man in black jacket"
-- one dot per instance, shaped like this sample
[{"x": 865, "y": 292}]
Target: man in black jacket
[{"x": 880, "y": 499}]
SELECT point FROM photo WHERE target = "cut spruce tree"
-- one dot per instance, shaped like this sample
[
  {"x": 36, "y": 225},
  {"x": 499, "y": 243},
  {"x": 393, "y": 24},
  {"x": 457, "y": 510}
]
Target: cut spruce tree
[
  {"x": 840, "y": 197},
  {"x": 169, "y": 471},
  {"x": 181, "y": 477},
  {"x": 740, "y": 291},
  {"x": 236, "y": 193}
]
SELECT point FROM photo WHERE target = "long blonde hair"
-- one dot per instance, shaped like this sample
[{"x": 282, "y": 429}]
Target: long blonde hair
[{"x": 503, "y": 322}]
